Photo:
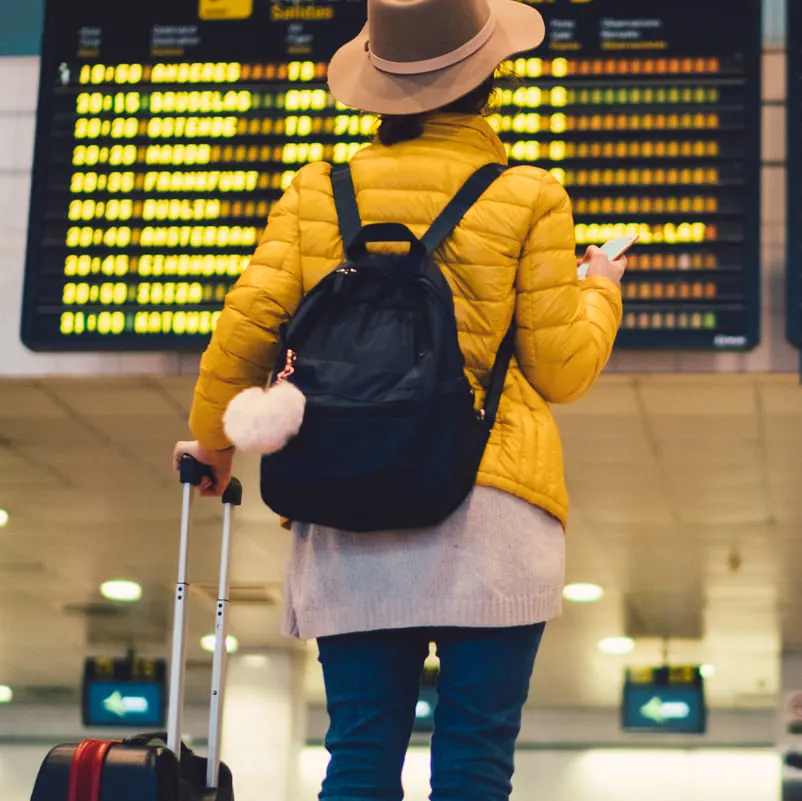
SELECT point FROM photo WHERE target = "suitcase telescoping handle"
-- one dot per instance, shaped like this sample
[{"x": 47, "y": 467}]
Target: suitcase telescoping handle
[{"x": 192, "y": 472}]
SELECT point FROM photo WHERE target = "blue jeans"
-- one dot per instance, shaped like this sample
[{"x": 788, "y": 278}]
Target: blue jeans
[{"x": 372, "y": 681}]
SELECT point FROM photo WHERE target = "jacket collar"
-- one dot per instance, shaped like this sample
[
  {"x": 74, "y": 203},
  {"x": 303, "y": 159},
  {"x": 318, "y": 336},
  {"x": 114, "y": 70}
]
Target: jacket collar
[{"x": 464, "y": 130}]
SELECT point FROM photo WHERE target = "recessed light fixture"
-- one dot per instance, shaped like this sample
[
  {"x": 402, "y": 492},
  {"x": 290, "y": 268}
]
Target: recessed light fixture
[
  {"x": 254, "y": 660},
  {"x": 583, "y": 593},
  {"x": 616, "y": 645},
  {"x": 3, "y": 518},
  {"x": 6, "y": 695},
  {"x": 707, "y": 671},
  {"x": 120, "y": 590},
  {"x": 207, "y": 643}
]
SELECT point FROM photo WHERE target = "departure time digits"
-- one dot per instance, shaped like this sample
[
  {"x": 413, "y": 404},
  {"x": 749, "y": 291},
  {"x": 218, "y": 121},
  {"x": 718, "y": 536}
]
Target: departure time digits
[{"x": 175, "y": 167}]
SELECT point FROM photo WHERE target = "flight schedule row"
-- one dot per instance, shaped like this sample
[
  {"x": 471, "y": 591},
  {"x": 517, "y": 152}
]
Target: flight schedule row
[{"x": 231, "y": 73}]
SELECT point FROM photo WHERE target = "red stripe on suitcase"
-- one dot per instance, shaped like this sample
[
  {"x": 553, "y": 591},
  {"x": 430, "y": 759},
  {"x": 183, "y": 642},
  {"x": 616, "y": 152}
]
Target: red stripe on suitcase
[{"x": 86, "y": 770}]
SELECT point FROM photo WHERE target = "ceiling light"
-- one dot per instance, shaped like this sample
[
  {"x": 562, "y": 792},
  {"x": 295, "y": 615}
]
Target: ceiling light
[
  {"x": 707, "y": 671},
  {"x": 583, "y": 593},
  {"x": 5, "y": 694},
  {"x": 119, "y": 590},
  {"x": 616, "y": 645},
  {"x": 254, "y": 660},
  {"x": 3, "y": 518},
  {"x": 207, "y": 643}
]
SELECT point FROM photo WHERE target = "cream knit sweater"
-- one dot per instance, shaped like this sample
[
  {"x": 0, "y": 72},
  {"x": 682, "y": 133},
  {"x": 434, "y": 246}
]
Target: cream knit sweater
[{"x": 497, "y": 561}]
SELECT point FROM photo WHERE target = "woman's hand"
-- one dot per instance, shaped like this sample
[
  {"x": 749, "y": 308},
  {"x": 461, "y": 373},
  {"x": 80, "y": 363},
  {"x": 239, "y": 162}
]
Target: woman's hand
[
  {"x": 218, "y": 461},
  {"x": 600, "y": 265}
]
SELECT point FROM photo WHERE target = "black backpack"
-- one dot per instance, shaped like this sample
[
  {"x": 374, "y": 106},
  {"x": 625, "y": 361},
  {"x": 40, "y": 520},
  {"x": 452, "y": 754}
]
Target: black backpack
[{"x": 390, "y": 437}]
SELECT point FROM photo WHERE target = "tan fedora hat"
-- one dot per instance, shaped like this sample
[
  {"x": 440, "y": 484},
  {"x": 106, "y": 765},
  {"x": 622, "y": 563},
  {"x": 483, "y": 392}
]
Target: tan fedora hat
[{"x": 418, "y": 55}]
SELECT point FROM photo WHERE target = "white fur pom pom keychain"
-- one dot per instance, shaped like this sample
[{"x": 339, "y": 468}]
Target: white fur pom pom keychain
[{"x": 265, "y": 420}]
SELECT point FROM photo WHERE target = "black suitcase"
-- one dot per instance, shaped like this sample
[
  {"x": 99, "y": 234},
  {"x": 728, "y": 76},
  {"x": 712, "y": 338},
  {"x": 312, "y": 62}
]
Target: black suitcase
[{"x": 145, "y": 767}]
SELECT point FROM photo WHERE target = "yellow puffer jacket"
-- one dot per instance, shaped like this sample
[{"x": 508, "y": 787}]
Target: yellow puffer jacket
[{"x": 513, "y": 253}]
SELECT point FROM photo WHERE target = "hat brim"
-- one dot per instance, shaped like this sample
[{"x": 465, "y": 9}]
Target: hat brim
[{"x": 357, "y": 83}]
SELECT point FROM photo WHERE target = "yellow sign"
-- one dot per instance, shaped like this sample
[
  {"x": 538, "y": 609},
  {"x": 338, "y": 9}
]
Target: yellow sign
[
  {"x": 641, "y": 675},
  {"x": 225, "y": 9},
  {"x": 682, "y": 675}
]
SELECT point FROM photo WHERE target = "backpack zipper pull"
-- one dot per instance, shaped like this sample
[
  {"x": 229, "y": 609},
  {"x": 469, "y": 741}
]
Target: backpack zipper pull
[
  {"x": 289, "y": 367},
  {"x": 341, "y": 273}
]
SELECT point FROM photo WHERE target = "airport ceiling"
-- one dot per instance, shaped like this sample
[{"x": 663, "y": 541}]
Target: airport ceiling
[{"x": 687, "y": 509}]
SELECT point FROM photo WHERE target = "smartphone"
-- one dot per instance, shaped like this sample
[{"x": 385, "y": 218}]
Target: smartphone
[{"x": 614, "y": 249}]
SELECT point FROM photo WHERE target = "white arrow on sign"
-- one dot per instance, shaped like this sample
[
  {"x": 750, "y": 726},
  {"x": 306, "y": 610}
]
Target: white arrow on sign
[
  {"x": 661, "y": 711},
  {"x": 120, "y": 705}
]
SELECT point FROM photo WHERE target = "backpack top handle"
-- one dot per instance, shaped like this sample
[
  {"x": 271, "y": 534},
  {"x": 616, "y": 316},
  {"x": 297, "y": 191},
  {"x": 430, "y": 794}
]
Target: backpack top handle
[
  {"x": 449, "y": 218},
  {"x": 383, "y": 232}
]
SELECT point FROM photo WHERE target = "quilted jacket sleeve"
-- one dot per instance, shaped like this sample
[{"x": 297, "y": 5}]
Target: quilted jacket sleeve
[
  {"x": 243, "y": 347},
  {"x": 566, "y": 327}
]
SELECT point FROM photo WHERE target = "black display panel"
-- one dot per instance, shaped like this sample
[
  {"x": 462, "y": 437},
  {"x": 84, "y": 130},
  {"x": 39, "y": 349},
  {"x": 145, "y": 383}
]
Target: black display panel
[
  {"x": 794, "y": 275},
  {"x": 168, "y": 127}
]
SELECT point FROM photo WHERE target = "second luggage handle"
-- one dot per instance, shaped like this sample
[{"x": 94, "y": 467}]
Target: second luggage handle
[{"x": 192, "y": 473}]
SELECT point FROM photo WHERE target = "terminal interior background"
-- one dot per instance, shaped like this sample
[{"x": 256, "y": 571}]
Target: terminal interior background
[{"x": 685, "y": 472}]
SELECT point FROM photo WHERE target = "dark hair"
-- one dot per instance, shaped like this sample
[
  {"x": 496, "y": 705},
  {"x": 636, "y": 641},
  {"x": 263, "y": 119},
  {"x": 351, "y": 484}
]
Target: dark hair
[{"x": 402, "y": 128}]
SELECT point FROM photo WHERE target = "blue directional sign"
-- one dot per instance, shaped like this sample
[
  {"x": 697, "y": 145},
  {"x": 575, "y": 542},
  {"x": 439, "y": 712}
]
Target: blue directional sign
[
  {"x": 112, "y": 703},
  {"x": 124, "y": 692},
  {"x": 664, "y": 700}
]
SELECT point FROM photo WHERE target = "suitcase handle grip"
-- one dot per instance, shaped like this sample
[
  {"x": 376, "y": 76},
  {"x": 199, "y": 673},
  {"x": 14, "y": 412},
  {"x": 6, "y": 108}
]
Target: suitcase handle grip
[
  {"x": 233, "y": 493},
  {"x": 192, "y": 472}
]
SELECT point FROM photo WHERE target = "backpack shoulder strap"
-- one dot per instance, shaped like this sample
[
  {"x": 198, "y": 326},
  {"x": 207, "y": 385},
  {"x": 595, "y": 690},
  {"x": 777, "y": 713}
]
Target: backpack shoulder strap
[
  {"x": 498, "y": 375},
  {"x": 456, "y": 209},
  {"x": 345, "y": 202},
  {"x": 445, "y": 223}
]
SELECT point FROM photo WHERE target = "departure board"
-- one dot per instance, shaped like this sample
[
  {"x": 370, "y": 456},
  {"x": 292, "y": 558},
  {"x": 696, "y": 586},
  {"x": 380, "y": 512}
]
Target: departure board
[
  {"x": 167, "y": 128},
  {"x": 794, "y": 273}
]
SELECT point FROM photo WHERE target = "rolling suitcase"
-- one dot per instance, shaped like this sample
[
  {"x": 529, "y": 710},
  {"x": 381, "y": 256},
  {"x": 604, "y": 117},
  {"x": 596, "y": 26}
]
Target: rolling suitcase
[{"x": 157, "y": 766}]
